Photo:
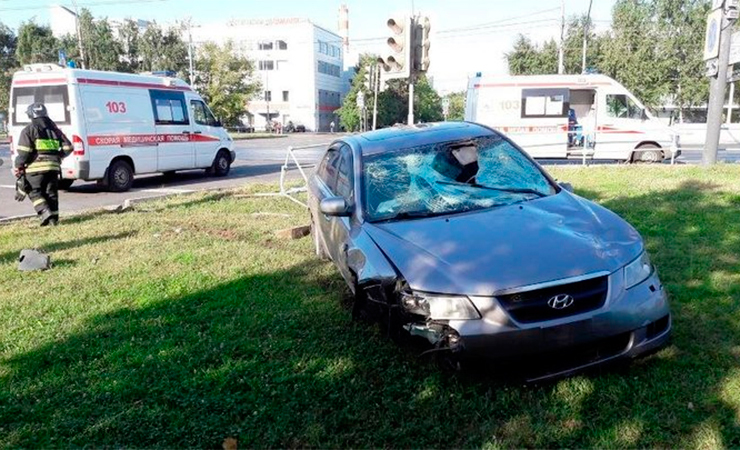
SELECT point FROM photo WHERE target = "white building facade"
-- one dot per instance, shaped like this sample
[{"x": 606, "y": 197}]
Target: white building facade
[{"x": 299, "y": 64}]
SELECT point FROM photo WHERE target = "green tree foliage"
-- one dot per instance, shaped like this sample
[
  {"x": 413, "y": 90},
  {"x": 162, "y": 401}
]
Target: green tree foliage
[
  {"x": 8, "y": 63},
  {"x": 36, "y": 44},
  {"x": 457, "y": 106},
  {"x": 224, "y": 80},
  {"x": 163, "y": 50},
  {"x": 392, "y": 102},
  {"x": 128, "y": 39},
  {"x": 102, "y": 50}
]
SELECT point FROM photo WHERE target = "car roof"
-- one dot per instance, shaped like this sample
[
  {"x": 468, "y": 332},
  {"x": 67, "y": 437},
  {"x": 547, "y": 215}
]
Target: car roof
[{"x": 406, "y": 136}]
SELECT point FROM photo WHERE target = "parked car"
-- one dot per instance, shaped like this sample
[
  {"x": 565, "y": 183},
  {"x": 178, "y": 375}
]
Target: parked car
[
  {"x": 241, "y": 128},
  {"x": 450, "y": 232}
]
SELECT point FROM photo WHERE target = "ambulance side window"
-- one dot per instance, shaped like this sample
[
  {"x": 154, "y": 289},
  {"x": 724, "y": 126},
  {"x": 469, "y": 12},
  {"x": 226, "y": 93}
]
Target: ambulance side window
[
  {"x": 544, "y": 103},
  {"x": 202, "y": 115},
  {"x": 169, "y": 108}
]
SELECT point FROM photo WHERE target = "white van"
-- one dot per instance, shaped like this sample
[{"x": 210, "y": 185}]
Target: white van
[
  {"x": 565, "y": 116},
  {"x": 122, "y": 124}
]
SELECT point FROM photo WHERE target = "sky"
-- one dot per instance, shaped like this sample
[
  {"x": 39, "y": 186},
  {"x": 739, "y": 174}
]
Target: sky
[{"x": 468, "y": 36}]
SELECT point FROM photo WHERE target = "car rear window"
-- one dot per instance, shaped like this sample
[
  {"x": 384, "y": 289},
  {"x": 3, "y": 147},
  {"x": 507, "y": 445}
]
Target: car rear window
[{"x": 55, "y": 98}]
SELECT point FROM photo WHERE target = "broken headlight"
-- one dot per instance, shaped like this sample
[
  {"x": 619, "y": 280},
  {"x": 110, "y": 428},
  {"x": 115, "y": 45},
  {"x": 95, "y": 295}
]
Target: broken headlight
[
  {"x": 438, "y": 306},
  {"x": 637, "y": 271}
]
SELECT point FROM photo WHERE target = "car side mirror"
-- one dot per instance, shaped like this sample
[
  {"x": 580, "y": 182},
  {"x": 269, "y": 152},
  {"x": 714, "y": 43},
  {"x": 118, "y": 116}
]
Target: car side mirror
[
  {"x": 644, "y": 115},
  {"x": 335, "y": 207},
  {"x": 567, "y": 186}
]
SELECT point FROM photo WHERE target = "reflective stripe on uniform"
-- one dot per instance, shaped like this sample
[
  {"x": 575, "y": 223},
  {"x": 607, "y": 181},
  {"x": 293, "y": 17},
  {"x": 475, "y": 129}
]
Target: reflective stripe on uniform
[
  {"x": 39, "y": 201},
  {"x": 43, "y": 166},
  {"x": 22, "y": 148},
  {"x": 47, "y": 145}
]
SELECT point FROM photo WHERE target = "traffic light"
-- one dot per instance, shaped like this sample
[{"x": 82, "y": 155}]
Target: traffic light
[
  {"x": 423, "y": 26},
  {"x": 397, "y": 64}
]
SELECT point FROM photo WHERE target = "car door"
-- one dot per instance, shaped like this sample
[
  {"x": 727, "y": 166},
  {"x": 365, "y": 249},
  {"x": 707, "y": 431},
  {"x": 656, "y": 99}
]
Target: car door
[
  {"x": 206, "y": 132},
  {"x": 621, "y": 128},
  {"x": 339, "y": 227},
  {"x": 172, "y": 124},
  {"x": 326, "y": 176}
]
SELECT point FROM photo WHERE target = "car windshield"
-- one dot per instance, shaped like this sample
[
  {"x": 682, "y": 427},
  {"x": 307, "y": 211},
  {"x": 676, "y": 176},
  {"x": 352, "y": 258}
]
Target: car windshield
[{"x": 449, "y": 178}]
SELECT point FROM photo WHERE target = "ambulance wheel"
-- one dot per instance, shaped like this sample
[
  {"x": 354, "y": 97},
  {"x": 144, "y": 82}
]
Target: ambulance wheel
[
  {"x": 649, "y": 154},
  {"x": 221, "y": 165},
  {"x": 65, "y": 183},
  {"x": 120, "y": 176}
]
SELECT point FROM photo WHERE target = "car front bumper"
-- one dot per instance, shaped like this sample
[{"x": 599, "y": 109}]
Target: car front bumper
[{"x": 630, "y": 324}]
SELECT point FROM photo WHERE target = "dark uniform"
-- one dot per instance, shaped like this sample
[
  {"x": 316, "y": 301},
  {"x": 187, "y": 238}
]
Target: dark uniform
[{"x": 41, "y": 148}]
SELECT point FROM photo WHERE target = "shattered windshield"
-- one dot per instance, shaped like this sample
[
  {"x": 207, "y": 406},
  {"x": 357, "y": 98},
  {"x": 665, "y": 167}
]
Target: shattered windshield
[{"x": 448, "y": 178}]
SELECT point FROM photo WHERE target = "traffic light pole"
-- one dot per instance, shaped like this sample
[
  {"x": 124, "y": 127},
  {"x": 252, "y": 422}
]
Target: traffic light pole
[
  {"x": 717, "y": 95},
  {"x": 376, "y": 88},
  {"x": 411, "y": 100}
]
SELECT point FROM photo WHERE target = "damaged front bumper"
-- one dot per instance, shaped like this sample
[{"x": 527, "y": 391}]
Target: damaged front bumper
[{"x": 631, "y": 323}]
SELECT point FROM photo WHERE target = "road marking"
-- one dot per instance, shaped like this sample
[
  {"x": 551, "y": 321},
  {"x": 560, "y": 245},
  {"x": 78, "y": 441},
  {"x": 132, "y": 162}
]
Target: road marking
[
  {"x": 169, "y": 191},
  {"x": 7, "y": 186}
]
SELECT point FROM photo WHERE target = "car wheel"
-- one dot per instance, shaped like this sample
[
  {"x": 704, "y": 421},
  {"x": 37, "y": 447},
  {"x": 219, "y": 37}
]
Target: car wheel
[
  {"x": 65, "y": 183},
  {"x": 650, "y": 154},
  {"x": 319, "y": 248},
  {"x": 120, "y": 176},
  {"x": 221, "y": 165}
]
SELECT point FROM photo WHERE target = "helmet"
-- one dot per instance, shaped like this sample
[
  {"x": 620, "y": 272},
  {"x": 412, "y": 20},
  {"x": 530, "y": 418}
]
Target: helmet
[{"x": 36, "y": 110}]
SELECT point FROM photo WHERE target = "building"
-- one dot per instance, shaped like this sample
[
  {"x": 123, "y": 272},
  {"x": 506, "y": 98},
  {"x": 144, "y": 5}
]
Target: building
[{"x": 299, "y": 64}]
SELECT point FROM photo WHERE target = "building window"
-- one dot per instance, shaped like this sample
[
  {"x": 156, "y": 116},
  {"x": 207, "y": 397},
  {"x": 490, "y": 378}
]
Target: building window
[
  {"x": 329, "y": 69},
  {"x": 281, "y": 65},
  {"x": 265, "y": 45},
  {"x": 268, "y": 96},
  {"x": 282, "y": 45},
  {"x": 267, "y": 65},
  {"x": 286, "y": 96},
  {"x": 323, "y": 47}
]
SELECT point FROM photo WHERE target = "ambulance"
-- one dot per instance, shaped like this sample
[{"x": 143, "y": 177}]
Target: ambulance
[
  {"x": 570, "y": 116},
  {"x": 122, "y": 124}
]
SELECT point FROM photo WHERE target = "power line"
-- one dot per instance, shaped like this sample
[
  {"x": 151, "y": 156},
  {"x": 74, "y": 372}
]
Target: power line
[{"x": 94, "y": 3}]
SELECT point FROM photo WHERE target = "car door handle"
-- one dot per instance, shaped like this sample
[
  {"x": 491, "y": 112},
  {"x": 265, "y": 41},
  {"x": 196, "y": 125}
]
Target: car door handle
[
  {"x": 198, "y": 132},
  {"x": 185, "y": 132}
]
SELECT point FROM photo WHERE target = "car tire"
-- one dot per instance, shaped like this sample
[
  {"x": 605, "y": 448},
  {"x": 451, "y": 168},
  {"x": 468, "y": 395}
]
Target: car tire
[
  {"x": 120, "y": 176},
  {"x": 318, "y": 247},
  {"x": 65, "y": 183},
  {"x": 221, "y": 164},
  {"x": 649, "y": 154}
]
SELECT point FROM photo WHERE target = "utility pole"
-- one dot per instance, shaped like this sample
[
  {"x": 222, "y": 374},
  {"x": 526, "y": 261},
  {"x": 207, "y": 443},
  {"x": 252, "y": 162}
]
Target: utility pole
[
  {"x": 561, "y": 50},
  {"x": 191, "y": 71},
  {"x": 585, "y": 35},
  {"x": 717, "y": 92},
  {"x": 79, "y": 35},
  {"x": 376, "y": 72}
]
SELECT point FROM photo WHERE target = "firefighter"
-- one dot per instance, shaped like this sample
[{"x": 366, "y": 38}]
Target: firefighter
[{"x": 40, "y": 150}]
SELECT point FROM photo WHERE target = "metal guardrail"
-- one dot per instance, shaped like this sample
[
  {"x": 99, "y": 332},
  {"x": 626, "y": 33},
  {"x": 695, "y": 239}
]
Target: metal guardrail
[{"x": 292, "y": 163}]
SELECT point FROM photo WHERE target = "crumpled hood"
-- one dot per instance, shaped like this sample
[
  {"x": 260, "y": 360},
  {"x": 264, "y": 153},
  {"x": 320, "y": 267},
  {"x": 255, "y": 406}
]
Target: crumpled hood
[{"x": 481, "y": 252}]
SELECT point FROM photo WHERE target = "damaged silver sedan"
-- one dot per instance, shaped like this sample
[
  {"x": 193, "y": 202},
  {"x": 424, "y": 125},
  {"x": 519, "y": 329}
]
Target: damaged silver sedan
[{"x": 450, "y": 232}]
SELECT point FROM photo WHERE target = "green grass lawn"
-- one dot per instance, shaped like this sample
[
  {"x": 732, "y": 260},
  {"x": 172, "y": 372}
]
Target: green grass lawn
[{"x": 186, "y": 321}]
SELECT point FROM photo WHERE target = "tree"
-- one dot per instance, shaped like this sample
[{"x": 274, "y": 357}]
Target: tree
[
  {"x": 224, "y": 80},
  {"x": 524, "y": 58},
  {"x": 8, "y": 43},
  {"x": 349, "y": 114},
  {"x": 102, "y": 51},
  {"x": 128, "y": 41},
  {"x": 36, "y": 44},
  {"x": 456, "y": 106},
  {"x": 163, "y": 50}
]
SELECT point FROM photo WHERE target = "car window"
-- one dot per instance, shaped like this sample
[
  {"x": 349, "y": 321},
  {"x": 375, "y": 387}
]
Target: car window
[
  {"x": 450, "y": 177},
  {"x": 622, "y": 107},
  {"x": 328, "y": 169},
  {"x": 201, "y": 114},
  {"x": 345, "y": 175}
]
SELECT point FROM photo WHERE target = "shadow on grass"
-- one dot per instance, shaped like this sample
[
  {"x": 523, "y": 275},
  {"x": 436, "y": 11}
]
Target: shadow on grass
[{"x": 274, "y": 360}]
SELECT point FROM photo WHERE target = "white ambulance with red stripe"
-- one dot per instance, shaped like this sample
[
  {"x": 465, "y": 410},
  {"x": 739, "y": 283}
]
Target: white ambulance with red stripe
[
  {"x": 122, "y": 124},
  {"x": 570, "y": 116}
]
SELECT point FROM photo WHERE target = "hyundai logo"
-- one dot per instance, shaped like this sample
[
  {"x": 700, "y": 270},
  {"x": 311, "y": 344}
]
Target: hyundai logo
[{"x": 561, "y": 301}]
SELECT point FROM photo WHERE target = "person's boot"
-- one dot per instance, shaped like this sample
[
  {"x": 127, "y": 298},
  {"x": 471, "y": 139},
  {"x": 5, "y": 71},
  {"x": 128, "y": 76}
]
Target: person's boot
[{"x": 46, "y": 217}]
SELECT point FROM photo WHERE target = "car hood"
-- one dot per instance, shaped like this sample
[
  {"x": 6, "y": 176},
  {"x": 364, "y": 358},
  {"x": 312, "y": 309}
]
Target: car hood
[{"x": 481, "y": 252}]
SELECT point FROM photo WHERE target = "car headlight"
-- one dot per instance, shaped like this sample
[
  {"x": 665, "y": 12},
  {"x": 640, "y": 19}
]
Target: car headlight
[
  {"x": 439, "y": 307},
  {"x": 637, "y": 271}
]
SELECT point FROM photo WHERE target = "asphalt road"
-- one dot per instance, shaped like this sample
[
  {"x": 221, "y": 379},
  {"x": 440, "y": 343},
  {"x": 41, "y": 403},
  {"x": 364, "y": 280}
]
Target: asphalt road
[{"x": 257, "y": 160}]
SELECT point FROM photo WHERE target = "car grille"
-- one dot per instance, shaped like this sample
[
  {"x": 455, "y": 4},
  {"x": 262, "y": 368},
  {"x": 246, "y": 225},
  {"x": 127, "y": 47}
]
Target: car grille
[{"x": 532, "y": 306}]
